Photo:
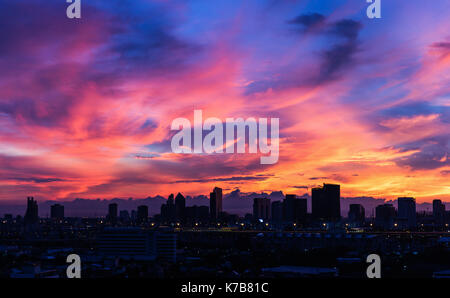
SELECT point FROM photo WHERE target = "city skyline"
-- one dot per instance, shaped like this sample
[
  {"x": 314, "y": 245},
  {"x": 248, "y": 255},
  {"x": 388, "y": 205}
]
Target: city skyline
[
  {"x": 86, "y": 105},
  {"x": 235, "y": 201},
  {"x": 290, "y": 211}
]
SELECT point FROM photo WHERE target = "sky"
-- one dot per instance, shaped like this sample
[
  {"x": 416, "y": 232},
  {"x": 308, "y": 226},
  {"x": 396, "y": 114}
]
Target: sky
[{"x": 86, "y": 104}]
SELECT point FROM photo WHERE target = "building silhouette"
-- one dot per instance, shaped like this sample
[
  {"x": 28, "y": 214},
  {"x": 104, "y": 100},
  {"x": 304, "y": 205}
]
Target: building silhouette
[
  {"x": 288, "y": 208},
  {"x": 31, "y": 215},
  {"x": 261, "y": 208},
  {"x": 326, "y": 203},
  {"x": 180, "y": 208},
  {"x": 133, "y": 215},
  {"x": 57, "y": 211},
  {"x": 127, "y": 242},
  {"x": 215, "y": 203},
  {"x": 124, "y": 216},
  {"x": 294, "y": 209},
  {"x": 385, "y": 216},
  {"x": 112, "y": 213},
  {"x": 142, "y": 214},
  {"x": 168, "y": 212},
  {"x": 197, "y": 214},
  {"x": 356, "y": 213},
  {"x": 300, "y": 210},
  {"x": 166, "y": 245},
  {"x": 406, "y": 213},
  {"x": 438, "y": 212},
  {"x": 277, "y": 211}
]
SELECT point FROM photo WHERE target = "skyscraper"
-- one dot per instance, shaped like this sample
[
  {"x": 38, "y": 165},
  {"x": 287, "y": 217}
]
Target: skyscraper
[
  {"x": 57, "y": 211},
  {"x": 356, "y": 213},
  {"x": 438, "y": 212},
  {"x": 112, "y": 213},
  {"x": 142, "y": 213},
  {"x": 294, "y": 209},
  {"x": 385, "y": 216},
  {"x": 180, "y": 207},
  {"x": 326, "y": 203},
  {"x": 31, "y": 215},
  {"x": 300, "y": 210},
  {"x": 168, "y": 210},
  {"x": 288, "y": 208},
  {"x": 277, "y": 212},
  {"x": 215, "y": 203},
  {"x": 261, "y": 208},
  {"x": 407, "y": 212}
]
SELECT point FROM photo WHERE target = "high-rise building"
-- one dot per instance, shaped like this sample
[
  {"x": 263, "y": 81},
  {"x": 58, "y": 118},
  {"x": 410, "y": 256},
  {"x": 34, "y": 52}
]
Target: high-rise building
[
  {"x": 294, "y": 209},
  {"x": 407, "y": 213},
  {"x": 288, "y": 208},
  {"x": 112, "y": 213},
  {"x": 180, "y": 208},
  {"x": 168, "y": 212},
  {"x": 356, "y": 213},
  {"x": 142, "y": 214},
  {"x": 215, "y": 203},
  {"x": 300, "y": 210},
  {"x": 261, "y": 208},
  {"x": 438, "y": 212},
  {"x": 57, "y": 211},
  {"x": 326, "y": 203},
  {"x": 31, "y": 215},
  {"x": 277, "y": 212},
  {"x": 385, "y": 216}
]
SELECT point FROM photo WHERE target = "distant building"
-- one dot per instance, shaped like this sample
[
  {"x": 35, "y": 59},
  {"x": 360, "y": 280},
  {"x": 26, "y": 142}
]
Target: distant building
[
  {"x": 288, "y": 208},
  {"x": 127, "y": 242},
  {"x": 438, "y": 212},
  {"x": 136, "y": 243},
  {"x": 326, "y": 203},
  {"x": 215, "y": 203},
  {"x": 168, "y": 214},
  {"x": 356, "y": 213},
  {"x": 277, "y": 211},
  {"x": 112, "y": 213},
  {"x": 166, "y": 246},
  {"x": 294, "y": 209},
  {"x": 180, "y": 206},
  {"x": 407, "y": 213},
  {"x": 300, "y": 210},
  {"x": 124, "y": 215},
  {"x": 385, "y": 216},
  {"x": 133, "y": 215},
  {"x": 142, "y": 214},
  {"x": 197, "y": 214},
  {"x": 57, "y": 211},
  {"x": 31, "y": 215},
  {"x": 261, "y": 208}
]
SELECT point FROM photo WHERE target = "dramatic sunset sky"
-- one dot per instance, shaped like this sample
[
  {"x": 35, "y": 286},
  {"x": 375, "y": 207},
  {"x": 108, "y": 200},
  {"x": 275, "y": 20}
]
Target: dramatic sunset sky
[{"x": 86, "y": 105}]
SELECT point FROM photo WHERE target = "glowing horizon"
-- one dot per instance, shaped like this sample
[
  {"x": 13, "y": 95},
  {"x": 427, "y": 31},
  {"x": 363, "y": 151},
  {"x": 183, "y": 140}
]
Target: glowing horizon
[{"x": 86, "y": 105}]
